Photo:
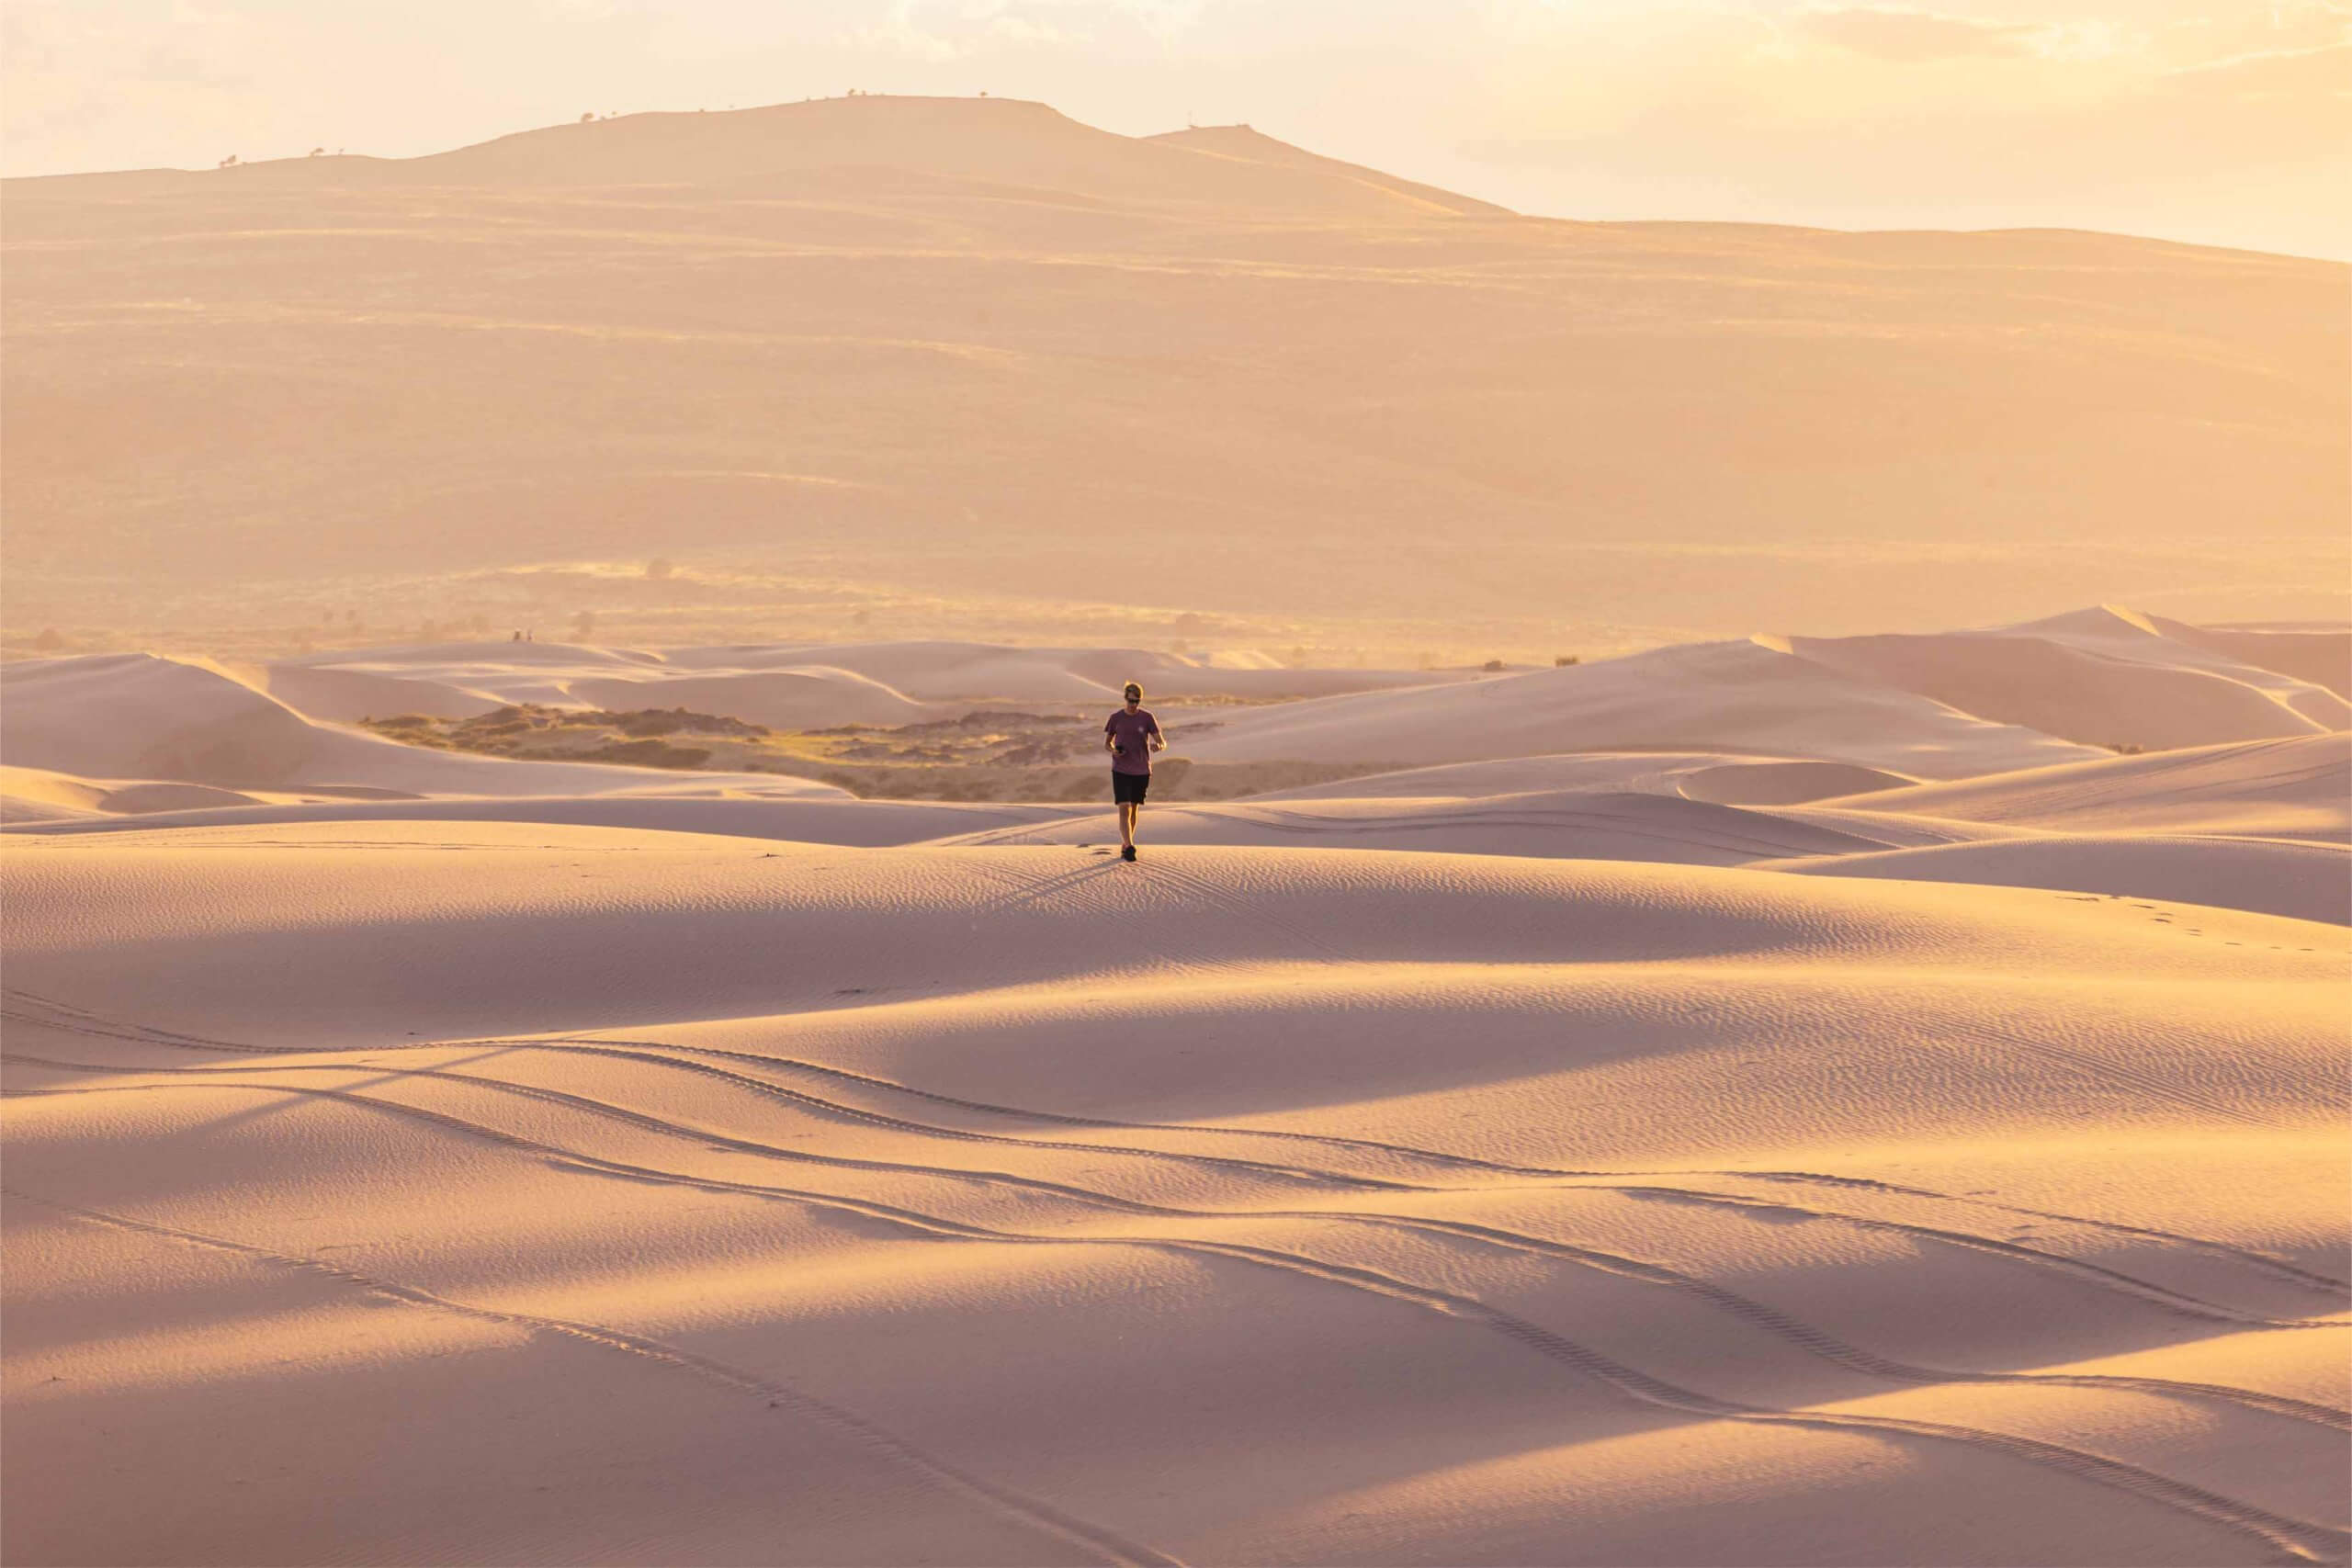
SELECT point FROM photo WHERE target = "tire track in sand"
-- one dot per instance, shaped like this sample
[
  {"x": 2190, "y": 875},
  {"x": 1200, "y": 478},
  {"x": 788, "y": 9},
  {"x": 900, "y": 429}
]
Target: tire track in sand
[
  {"x": 1809, "y": 1338},
  {"x": 2277, "y": 1268},
  {"x": 999, "y": 1499},
  {"x": 2299, "y": 1539},
  {"x": 2115, "y": 1281},
  {"x": 1744, "y": 1204},
  {"x": 2263, "y": 1263}
]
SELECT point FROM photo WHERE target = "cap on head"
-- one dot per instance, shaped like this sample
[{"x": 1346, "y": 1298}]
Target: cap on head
[{"x": 1134, "y": 693}]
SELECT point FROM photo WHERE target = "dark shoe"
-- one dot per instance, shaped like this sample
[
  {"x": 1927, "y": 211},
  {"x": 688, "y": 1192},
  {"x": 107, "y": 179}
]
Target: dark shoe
[{"x": 1129, "y": 852}]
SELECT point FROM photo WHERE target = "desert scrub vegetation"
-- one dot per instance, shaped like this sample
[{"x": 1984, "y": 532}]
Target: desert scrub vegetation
[
  {"x": 988, "y": 754},
  {"x": 549, "y": 734}
]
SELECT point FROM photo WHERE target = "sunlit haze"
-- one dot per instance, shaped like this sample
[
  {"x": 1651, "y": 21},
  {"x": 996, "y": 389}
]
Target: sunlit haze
[
  {"x": 1716, "y": 932},
  {"x": 2227, "y": 123}
]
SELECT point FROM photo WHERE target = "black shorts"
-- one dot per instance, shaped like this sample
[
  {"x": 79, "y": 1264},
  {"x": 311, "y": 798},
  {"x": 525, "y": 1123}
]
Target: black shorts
[{"x": 1128, "y": 789}]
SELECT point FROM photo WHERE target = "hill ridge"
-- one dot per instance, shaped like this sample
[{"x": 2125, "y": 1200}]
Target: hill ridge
[{"x": 999, "y": 141}]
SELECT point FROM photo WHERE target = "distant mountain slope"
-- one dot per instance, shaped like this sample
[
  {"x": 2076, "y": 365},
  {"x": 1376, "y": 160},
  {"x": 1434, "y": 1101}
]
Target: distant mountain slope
[
  {"x": 970, "y": 354},
  {"x": 1006, "y": 144},
  {"x": 1256, "y": 147}
]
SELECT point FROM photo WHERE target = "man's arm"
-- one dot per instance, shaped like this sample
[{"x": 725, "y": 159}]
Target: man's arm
[{"x": 1158, "y": 741}]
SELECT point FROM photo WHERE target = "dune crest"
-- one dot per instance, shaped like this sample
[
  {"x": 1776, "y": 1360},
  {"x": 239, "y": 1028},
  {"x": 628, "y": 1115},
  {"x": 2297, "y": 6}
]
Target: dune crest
[
  {"x": 1780, "y": 750},
  {"x": 2295, "y": 788},
  {"x": 1737, "y": 695},
  {"x": 139, "y": 716}
]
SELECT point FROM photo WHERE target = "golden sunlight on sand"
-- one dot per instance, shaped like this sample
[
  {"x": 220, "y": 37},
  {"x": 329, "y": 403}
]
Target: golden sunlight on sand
[
  {"x": 1723, "y": 1154},
  {"x": 702, "y": 1087}
]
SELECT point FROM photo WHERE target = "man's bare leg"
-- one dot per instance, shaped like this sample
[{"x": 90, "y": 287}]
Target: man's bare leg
[{"x": 1127, "y": 809}]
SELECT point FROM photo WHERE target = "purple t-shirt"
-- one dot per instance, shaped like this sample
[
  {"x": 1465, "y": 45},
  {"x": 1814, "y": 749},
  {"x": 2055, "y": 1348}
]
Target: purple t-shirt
[{"x": 1129, "y": 732}]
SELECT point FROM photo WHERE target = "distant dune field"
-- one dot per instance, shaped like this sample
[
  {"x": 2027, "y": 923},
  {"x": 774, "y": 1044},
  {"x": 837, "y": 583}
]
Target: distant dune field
[{"x": 1730, "y": 1104}]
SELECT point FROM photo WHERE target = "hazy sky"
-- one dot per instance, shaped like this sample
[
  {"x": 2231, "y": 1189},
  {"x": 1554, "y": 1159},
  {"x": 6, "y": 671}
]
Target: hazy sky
[{"x": 2221, "y": 121}]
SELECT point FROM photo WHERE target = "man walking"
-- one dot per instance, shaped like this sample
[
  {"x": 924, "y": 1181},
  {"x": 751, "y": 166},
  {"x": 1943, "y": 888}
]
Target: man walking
[{"x": 1131, "y": 736}]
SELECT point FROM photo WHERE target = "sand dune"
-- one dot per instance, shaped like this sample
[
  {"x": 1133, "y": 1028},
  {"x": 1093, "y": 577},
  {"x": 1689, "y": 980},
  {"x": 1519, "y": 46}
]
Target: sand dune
[
  {"x": 784, "y": 685},
  {"x": 37, "y": 794},
  {"x": 2113, "y": 682},
  {"x": 1553, "y": 825},
  {"x": 1728, "y": 779},
  {"x": 573, "y": 1193},
  {"x": 2298, "y": 788},
  {"x": 462, "y": 680},
  {"x": 142, "y": 717},
  {"x": 136, "y": 715},
  {"x": 447, "y": 679},
  {"x": 343, "y": 693},
  {"x": 1736, "y": 695},
  {"x": 822, "y": 817},
  {"x": 31, "y": 794},
  {"x": 804, "y": 696},
  {"x": 1609, "y": 1156},
  {"x": 2304, "y": 881},
  {"x": 947, "y": 671},
  {"x": 2321, "y": 656},
  {"x": 2106, "y": 677},
  {"x": 2116, "y": 631}
]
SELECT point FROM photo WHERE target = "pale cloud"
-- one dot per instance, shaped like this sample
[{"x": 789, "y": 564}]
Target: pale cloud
[
  {"x": 1968, "y": 95},
  {"x": 1913, "y": 35},
  {"x": 2321, "y": 73},
  {"x": 2088, "y": 39},
  {"x": 1027, "y": 30},
  {"x": 899, "y": 32},
  {"x": 65, "y": 68},
  {"x": 954, "y": 29},
  {"x": 2255, "y": 30},
  {"x": 2008, "y": 115},
  {"x": 2286, "y": 103}
]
